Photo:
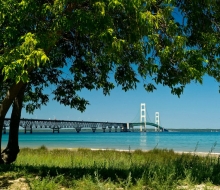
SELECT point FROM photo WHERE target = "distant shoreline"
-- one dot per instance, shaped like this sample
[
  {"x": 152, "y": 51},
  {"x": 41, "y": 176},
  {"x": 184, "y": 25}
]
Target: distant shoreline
[{"x": 98, "y": 130}]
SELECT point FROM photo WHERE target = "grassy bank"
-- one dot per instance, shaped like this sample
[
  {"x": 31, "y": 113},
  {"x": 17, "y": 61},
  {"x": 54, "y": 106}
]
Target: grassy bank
[{"x": 85, "y": 169}]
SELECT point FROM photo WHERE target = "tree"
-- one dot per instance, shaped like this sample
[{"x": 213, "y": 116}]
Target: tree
[
  {"x": 20, "y": 54},
  {"x": 33, "y": 96},
  {"x": 201, "y": 23},
  {"x": 92, "y": 40}
]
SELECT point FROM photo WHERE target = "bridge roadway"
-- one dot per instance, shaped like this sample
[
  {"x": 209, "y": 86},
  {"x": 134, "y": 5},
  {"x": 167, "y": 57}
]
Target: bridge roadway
[{"x": 56, "y": 125}]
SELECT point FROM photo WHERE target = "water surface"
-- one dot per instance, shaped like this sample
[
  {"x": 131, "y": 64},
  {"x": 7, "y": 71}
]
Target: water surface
[{"x": 178, "y": 141}]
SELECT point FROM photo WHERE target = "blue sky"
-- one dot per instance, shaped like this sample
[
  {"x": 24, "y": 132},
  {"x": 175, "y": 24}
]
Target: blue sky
[{"x": 198, "y": 107}]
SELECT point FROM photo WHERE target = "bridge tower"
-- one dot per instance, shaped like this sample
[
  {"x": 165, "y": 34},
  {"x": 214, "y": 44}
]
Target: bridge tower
[
  {"x": 157, "y": 121},
  {"x": 143, "y": 117}
]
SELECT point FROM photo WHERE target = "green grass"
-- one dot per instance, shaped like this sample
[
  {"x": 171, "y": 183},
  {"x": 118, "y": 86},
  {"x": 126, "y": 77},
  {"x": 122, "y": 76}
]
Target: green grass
[{"x": 109, "y": 169}]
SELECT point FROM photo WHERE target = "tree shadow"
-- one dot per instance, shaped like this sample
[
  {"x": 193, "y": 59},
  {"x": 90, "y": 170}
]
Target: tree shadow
[{"x": 75, "y": 172}]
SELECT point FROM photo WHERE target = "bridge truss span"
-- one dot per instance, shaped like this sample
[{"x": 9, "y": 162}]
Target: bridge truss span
[{"x": 57, "y": 125}]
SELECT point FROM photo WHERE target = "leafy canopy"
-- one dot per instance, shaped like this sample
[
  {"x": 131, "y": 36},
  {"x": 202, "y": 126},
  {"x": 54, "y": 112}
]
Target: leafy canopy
[{"x": 77, "y": 44}]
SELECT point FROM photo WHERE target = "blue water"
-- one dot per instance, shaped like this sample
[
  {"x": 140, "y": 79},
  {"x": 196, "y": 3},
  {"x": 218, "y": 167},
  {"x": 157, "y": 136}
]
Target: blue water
[{"x": 178, "y": 141}]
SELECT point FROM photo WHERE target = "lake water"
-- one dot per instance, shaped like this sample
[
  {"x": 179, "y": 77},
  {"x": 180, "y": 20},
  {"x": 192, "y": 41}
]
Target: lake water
[{"x": 178, "y": 141}]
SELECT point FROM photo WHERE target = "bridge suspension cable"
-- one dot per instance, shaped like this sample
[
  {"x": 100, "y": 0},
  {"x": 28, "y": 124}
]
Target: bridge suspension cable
[
  {"x": 148, "y": 118},
  {"x": 136, "y": 118}
]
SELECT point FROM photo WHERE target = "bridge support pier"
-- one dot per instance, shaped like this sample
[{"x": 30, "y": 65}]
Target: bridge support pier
[
  {"x": 4, "y": 130},
  {"x": 124, "y": 128},
  {"x": 131, "y": 127},
  {"x": 93, "y": 129},
  {"x": 78, "y": 129},
  {"x": 27, "y": 129},
  {"x": 116, "y": 128},
  {"x": 143, "y": 127},
  {"x": 104, "y": 128},
  {"x": 110, "y": 129},
  {"x": 56, "y": 129}
]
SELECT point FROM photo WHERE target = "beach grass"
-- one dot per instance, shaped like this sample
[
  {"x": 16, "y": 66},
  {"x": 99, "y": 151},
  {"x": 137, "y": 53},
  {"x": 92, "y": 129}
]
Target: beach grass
[{"x": 109, "y": 169}]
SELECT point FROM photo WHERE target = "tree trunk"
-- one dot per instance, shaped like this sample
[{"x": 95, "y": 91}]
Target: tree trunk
[
  {"x": 1, "y": 127},
  {"x": 5, "y": 105},
  {"x": 9, "y": 154}
]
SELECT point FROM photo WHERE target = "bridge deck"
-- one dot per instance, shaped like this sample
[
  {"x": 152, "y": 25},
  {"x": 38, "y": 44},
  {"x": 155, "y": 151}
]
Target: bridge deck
[{"x": 56, "y": 125}]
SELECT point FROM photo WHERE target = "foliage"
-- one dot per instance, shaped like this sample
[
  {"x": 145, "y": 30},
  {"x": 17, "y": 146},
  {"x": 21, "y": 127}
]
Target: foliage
[
  {"x": 83, "y": 168},
  {"x": 201, "y": 27},
  {"x": 88, "y": 43}
]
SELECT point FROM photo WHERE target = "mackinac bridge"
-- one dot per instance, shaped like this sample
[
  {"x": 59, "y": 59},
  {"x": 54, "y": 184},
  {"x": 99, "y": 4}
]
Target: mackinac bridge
[{"x": 28, "y": 125}]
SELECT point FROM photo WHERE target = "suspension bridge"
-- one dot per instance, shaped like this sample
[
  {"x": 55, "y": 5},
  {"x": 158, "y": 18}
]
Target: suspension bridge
[
  {"x": 143, "y": 121},
  {"x": 56, "y": 125}
]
